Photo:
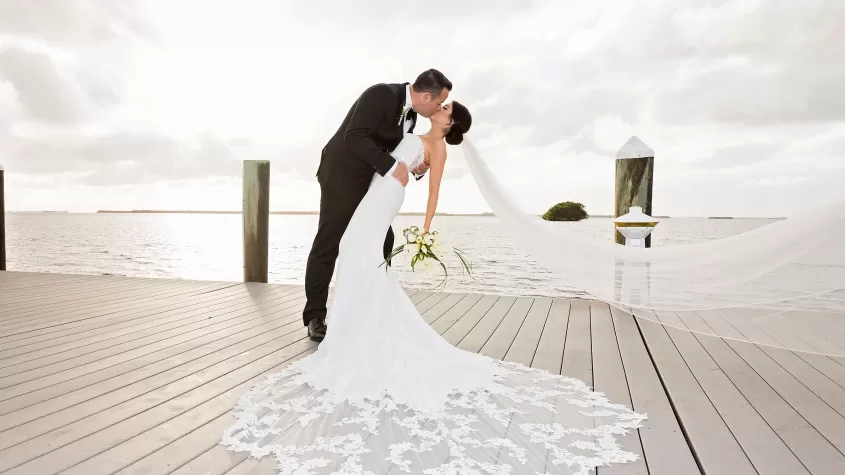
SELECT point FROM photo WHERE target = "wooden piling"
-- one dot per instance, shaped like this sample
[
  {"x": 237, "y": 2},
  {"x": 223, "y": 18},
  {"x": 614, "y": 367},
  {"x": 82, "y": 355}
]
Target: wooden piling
[
  {"x": 256, "y": 219},
  {"x": 634, "y": 181},
  {"x": 2, "y": 221}
]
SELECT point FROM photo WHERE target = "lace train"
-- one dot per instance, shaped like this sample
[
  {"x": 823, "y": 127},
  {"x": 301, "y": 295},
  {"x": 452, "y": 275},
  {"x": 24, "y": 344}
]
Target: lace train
[{"x": 528, "y": 421}]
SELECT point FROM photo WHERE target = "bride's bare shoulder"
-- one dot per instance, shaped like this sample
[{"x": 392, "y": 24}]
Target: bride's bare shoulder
[{"x": 437, "y": 149}]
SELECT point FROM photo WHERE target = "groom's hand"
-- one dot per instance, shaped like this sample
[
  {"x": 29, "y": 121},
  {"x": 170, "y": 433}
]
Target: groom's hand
[{"x": 401, "y": 173}]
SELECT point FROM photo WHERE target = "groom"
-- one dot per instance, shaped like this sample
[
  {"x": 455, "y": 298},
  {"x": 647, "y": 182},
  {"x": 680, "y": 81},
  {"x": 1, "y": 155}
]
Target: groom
[{"x": 373, "y": 127}]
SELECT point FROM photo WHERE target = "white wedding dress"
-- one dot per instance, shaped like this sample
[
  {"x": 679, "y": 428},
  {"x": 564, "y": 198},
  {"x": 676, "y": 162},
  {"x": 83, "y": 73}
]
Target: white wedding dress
[{"x": 384, "y": 393}]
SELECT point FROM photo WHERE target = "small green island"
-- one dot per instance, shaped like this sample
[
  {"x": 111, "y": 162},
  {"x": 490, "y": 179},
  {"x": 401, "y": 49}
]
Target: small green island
[{"x": 566, "y": 211}]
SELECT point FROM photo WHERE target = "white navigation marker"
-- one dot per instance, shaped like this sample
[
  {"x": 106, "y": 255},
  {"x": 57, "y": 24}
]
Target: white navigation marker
[{"x": 634, "y": 148}]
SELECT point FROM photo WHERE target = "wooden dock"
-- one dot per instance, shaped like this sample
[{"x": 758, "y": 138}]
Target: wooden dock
[{"x": 103, "y": 375}]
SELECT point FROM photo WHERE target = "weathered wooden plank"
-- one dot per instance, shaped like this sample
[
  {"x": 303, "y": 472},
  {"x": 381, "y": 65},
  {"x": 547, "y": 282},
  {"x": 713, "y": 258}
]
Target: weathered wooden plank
[
  {"x": 819, "y": 332},
  {"x": 760, "y": 444},
  {"x": 833, "y": 368},
  {"x": 219, "y": 461},
  {"x": 609, "y": 378},
  {"x": 70, "y": 318},
  {"x": 48, "y": 302},
  {"x": 502, "y": 338},
  {"x": 430, "y": 301},
  {"x": 436, "y": 311},
  {"x": 158, "y": 366},
  {"x": 264, "y": 466},
  {"x": 122, "y": 325},
  {"x": 66, "y": 387},
  {"x": 813, "y": 450},
  {"x": 711, "y": 439},
  {"x": 524, "y": 346},
  {"x": 19, "y": 301},
  {"x": 454, "y": 314},
  {"x": 42, "y": 378},
  {"x": 20, "y": 288},
  {"x": 171, "y": 445},
  {"x": 49, "y": 319},
  {"x": 149, "y": 327},
  {"x": 816, "y": 380},
  {"x": 420, "y": 297},
  {"x": 577, "y": 354},
  {"x": 577, "y": 360},
  {"x": 721, "y": 326},
  {"x": 664, "y": 445},
  {"x": 35, "y": 370},
  {"x": 549, "y": 354},
  {"x": 54, "y": 413},
  {"x": 68, "y": 290},
  {"x": 78, "y": 442},
  {"x": 481, "y": 332},
  {"x": 44, "y": 307},
  {"x": 825, "y": 419},
  {"x": 468, "y": 321}
]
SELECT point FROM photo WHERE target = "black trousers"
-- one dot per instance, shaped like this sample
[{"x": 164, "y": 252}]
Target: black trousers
[{"x": 335, "y": 214}]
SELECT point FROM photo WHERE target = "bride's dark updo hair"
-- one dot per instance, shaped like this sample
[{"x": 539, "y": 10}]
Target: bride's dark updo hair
[{"x": 461, "y": 122}]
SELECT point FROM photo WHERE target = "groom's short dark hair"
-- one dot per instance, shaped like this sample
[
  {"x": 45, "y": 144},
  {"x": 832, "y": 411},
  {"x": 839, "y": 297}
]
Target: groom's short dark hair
[{"x": 432, "y": 82}]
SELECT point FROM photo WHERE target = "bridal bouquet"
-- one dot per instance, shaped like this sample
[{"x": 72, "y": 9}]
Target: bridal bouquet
[{"x": 426, "y": 249}]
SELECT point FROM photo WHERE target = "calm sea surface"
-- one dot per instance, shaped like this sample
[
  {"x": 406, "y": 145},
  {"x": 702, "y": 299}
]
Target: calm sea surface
[{"x": 209, "y": 247}]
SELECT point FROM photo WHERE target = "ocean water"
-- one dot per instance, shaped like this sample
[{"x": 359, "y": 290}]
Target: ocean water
[{"x": 209, "y": 247}]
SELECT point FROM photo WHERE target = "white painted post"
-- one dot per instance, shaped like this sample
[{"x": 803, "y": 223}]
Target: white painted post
[{"x": 635, "y": 226}]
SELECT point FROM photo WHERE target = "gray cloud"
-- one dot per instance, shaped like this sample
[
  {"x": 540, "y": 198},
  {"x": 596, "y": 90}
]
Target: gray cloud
[
  {"x": 64, "y": 59},
  {"x": 122, "y": 158},
  {"x": 682, "y": 63},
  {"x": 765, "y": 75},
  {"x": 85, "y": 23},
  {"x": 740, "y": 156},
  {"x": 44, "y": 93}
]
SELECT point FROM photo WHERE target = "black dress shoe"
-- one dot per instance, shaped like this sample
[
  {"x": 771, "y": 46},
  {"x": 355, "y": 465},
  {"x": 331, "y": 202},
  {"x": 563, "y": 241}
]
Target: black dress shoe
[{"x": 317, "y": 329}]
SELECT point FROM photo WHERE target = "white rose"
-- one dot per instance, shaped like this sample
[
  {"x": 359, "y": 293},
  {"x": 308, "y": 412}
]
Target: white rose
[{"x": 429, "y": 240}]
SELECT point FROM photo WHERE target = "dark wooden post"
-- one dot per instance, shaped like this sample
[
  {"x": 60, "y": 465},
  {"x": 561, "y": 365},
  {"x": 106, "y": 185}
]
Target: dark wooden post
[
  {"x": 634, "y": 181},
  {"x": 2, "y": 222},
  {"x": 256, "y": 219}
]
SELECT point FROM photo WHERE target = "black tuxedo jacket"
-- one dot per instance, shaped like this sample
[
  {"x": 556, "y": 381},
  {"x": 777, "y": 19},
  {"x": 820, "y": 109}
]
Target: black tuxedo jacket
[{"x": 363, "y": 142}]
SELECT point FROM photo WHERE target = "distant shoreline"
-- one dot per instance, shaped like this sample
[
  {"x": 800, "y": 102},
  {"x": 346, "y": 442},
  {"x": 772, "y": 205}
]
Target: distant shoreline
[
  {"x": 295, "y": 213},
  {"x": 315, "y": 213}
]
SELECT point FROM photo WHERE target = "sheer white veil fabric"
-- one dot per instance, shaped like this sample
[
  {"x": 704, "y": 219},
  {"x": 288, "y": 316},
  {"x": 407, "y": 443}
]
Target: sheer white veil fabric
[{"x": 780, "y": 285}]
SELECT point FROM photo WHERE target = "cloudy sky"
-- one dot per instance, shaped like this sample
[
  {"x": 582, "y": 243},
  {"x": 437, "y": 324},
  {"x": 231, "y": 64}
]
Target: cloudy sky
[{"x": 153, "y": 104}]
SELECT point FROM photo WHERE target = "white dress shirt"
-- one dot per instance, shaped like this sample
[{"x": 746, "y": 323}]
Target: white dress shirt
[{"x": 406, "y": 124}]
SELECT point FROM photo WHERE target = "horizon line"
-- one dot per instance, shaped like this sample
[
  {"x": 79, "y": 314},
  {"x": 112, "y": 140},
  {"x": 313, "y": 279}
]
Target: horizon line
[{"x": 314, "y": 213}]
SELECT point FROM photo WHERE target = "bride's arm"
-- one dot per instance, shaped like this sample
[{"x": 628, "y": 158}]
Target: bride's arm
[{"x": 437, "y": 162}]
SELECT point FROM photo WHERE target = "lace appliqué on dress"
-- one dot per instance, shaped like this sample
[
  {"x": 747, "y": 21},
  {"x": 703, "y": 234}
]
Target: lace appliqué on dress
[
  {"x": 418, "y": 159},
  {"x": 528, "y": 421}
]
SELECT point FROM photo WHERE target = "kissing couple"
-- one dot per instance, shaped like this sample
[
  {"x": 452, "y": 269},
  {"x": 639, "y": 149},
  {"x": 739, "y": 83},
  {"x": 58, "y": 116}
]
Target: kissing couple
[{"x": 384, "y": 392}]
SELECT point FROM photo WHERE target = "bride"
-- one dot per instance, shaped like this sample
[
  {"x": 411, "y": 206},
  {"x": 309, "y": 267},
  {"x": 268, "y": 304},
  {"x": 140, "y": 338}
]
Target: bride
[{"x": 384, "y": 393}]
